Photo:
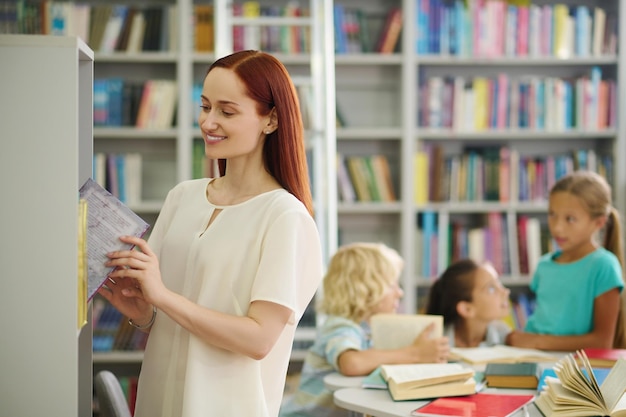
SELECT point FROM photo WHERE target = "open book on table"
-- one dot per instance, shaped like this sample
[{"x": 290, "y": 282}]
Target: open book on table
[
  {"x": 428, "y": 380},
  {"x": 501, "y": 353},
  {"x": 393, "y": 331},
  {"x": 575, "y": 392},
  {"x": 107, "y": 219}
]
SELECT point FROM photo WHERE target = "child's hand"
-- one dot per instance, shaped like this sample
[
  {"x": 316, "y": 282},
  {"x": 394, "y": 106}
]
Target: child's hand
[
  {"x": 427, "y": 349},
  {"x": 521, "y": 339}
]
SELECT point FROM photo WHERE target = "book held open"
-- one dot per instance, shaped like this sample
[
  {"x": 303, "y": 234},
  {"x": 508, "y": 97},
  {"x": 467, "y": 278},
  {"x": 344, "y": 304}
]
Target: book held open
[{"x": 107, "y": 219}]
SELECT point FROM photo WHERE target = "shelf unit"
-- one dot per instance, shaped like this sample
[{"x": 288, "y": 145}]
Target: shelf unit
[
  {"x": 45, "y": 158},
  {"x": 379, "y": 97}
]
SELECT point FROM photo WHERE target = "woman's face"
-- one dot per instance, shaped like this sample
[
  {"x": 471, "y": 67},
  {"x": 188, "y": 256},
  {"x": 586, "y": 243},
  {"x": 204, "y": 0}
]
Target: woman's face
[{"x": 230, "y": 125}]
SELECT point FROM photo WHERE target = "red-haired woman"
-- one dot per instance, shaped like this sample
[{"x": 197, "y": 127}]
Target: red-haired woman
[{"x": 232, "y": 261}]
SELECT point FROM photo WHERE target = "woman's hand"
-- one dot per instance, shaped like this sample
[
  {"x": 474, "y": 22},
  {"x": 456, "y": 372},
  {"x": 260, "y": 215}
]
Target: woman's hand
[{"x": 135, "y": 283}]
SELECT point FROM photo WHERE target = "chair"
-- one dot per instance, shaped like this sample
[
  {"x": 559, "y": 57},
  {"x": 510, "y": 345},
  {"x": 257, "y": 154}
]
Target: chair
[{"x": 110, "y": 396}]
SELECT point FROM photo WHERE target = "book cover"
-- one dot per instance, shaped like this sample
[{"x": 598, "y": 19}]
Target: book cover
[
  {"x": 476, "y": 405},
  {"x": 107, "y": 219},
  {"x": 512, "y": 375},
  {"x": 393, "y": 331},
  {"x": 374, "y": 380}
]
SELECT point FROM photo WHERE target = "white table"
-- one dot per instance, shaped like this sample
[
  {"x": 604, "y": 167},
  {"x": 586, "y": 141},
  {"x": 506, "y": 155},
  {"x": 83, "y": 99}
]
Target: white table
[{"x": 378, "y": 403}]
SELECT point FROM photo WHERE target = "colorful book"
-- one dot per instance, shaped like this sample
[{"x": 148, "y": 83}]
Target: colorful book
[
  {"x": 476, "y": 405},
  {"x": 604, "y": 357}
]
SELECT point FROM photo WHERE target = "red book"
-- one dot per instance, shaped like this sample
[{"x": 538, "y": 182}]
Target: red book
[
  {"x": 391, "y": 31},
  {"x": 475, "y": 405},
  {"x": 604, "y": 358}
]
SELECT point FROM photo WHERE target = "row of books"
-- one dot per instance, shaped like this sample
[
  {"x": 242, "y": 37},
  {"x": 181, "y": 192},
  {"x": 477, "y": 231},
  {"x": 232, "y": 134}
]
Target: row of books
[
  {"x": 120, "y": 174},
  {"x": 482, "y": 237},
  {"x": 521, "y": 307},
  {"x": 111, "y": 330},
  {"x": 541, "y": 103},
  {"x": 497, "y": 173},
  {"x": 364, "y": 178},
  {"x": 105, "y": 27},
  {"x": 357, "y": 31},
  {"x": 145, "y": 104},
  {"x": 497, "y": 28},
  {"x": 280, "y": 39}
]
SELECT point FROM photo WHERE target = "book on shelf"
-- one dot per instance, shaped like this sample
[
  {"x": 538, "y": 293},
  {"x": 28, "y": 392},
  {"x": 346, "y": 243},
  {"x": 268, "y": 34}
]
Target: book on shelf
[
  {"x": 512, "y": 375},
  {"x": 391, "y": 31},
  {"x": 107, "y": 219},
  {"x": 501, "y": 354},
  {"x": 576, "y": 392},
  {"x": 601, "y": 358},
  {"x": 475, "y": 405},
  {"x": 428, "y": 380},
  {"x": 394, "y": 331}
]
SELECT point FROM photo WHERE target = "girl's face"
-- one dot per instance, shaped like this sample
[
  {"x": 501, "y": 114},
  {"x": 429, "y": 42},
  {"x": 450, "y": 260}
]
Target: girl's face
[
  {"x": 490, "y": 299},
  {"x": 571, "y": 226},
  {"x": 390, "y": 301},
  {"x": 230, "y": 125}
]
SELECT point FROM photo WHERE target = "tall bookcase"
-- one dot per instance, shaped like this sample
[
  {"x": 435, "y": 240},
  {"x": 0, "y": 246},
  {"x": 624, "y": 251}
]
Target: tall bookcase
[
  {"x": 45, "y": 156},
  {"x": 381, "y": 96}
]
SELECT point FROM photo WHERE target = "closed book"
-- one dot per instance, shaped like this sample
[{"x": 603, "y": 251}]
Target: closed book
[
  {"x": 512, "y": 375},
  {"x": 476, "y": 405},
  {"x": 604, "y": 357},
  {"x": 428, "y": 380}
]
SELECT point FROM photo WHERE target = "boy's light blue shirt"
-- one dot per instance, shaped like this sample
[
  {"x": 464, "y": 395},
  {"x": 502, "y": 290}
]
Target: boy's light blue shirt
[
  {"x": 565, "y": 293},
  {"x": 334, "y": 337}
]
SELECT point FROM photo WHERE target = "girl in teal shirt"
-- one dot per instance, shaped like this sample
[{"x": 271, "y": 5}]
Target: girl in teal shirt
[{"x": 578, "y": 287}]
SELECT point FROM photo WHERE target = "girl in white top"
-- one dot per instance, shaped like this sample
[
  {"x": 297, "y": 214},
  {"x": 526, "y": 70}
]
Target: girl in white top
[
  {"x": 233, "y": 261},
  {"x": 473, "y": 302}
]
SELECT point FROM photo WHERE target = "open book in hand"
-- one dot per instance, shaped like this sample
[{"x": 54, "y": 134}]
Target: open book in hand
[
  {"x": 394, "y": 331},
  {"x": 501, "y": 354},
  {"x": 428, "y": 380},
  {"x": 107, "y": 219},
  {"x": 575, "y": 391}
]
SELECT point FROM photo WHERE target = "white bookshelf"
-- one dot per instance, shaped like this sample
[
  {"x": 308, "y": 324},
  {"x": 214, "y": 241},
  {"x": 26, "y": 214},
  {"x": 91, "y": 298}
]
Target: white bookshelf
[
  {"x": 379, "y": 98},
  {"x": 45, "y": 157}
]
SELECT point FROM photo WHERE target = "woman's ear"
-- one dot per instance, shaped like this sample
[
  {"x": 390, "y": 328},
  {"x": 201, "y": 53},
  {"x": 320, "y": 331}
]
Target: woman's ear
[{"x": 272, "y": 123}]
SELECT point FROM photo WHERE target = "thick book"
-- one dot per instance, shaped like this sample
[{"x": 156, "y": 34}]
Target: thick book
[
  {"x": 476, "y": 405},
  {"x": 501, "y": 354},
  {"x": 107, "y": 219},
  {"x": 576, "y": 392},
  {"x": 512, "y": 375},
  {"x": 428, "y": 380},
  {"x": 604, "y": 357},
  {"x": 394, "y": 331}
]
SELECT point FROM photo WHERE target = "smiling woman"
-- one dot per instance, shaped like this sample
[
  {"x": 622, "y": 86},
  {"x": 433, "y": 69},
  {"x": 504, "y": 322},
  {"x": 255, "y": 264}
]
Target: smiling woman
[{"x": 232, "y": 262}]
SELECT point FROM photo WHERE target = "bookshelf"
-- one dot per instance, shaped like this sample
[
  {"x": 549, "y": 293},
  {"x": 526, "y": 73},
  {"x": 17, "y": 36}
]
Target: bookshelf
[
  {"x": 46, "y": 156},
  {"x": 380, "y": 97}
]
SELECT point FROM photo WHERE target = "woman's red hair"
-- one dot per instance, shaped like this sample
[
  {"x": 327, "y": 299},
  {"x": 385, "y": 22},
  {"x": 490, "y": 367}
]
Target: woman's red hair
[{"x": 269, "y": 84}]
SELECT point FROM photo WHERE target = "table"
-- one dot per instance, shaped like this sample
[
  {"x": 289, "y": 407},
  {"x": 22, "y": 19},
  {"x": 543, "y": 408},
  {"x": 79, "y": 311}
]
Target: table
[{"x": 378, "y": 403}]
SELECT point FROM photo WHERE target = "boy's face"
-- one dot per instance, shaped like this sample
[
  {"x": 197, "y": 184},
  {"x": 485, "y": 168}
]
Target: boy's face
[{"x": 390, "y": 301}]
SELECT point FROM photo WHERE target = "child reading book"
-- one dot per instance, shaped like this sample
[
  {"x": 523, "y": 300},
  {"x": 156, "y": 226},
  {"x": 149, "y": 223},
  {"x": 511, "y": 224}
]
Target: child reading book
[
  {"x": 473, "y": 302},
  {"x": 362, "y": 280},
  {"x": 578, "y": 286}
]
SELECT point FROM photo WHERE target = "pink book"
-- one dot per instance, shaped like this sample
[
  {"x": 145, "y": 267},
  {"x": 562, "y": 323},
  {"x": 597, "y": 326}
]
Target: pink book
[
  {"x": 522, "y": 31},
  {"x": 475, "y": 405}
]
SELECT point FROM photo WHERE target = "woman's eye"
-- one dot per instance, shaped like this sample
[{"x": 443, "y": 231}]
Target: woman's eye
[{"x": 205, "y": 108}]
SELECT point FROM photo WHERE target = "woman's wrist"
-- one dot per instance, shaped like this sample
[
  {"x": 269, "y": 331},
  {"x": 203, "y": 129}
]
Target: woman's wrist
[{"x": 148, "y": 324}]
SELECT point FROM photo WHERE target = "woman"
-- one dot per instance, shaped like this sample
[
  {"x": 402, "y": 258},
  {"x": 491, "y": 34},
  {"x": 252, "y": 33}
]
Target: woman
[{"x": 233, "y": 261}]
